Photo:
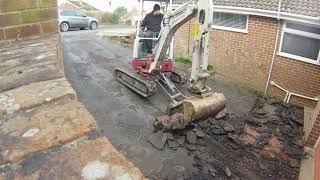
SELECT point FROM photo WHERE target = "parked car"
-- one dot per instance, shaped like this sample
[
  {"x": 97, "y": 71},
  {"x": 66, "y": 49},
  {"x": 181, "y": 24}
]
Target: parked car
[{"x": 76, "y": 19}]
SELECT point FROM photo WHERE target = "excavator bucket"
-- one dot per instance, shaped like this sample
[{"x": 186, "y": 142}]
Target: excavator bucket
[{"x": 191, "y": 111}]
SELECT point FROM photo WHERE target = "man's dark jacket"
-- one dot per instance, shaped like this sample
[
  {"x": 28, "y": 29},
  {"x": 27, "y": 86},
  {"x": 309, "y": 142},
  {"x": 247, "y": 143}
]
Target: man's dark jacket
[{"x": 152, "y": 22}]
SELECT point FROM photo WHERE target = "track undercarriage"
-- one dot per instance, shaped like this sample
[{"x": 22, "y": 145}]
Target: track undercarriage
[{"x": 190, "y": 109}]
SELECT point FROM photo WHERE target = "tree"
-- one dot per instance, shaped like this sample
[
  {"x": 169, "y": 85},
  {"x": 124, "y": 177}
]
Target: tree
[
  {"x": 120, "y": 11},
  {"x": 117, "y": 13},
  {"x": 115, "y": 18},
  {"x": 106, "y": 18}
]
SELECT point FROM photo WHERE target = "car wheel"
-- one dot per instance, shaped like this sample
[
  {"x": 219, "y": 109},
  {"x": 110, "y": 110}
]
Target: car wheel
[
  {"x": 64, "y": 26},
  {"x": 93, "y": 25}
]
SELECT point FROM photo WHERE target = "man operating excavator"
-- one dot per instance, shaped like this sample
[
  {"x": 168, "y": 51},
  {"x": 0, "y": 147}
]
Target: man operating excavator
[
  {"x": 152, "y": 22},
  {"x": 148, "y": 73}
]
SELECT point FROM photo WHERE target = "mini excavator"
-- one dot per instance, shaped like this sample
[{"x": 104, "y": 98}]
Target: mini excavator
[{"x": 152, "y": 71}]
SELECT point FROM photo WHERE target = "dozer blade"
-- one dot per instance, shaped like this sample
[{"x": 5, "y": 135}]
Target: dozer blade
[
  {"x": 141, "y": 85},
  {"x": 192, "y": 110}
]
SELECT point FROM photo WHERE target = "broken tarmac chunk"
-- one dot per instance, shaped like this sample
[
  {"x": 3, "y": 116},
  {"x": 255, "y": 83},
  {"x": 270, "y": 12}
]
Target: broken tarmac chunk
[
  {"x": 173, "y": 144},
  {"x": 200, "y": 134},
  {"x": 181, "y": 140},
  {"x": 221, "y": 114},
  {"x": 227, "y": 171},
  {"x": 34, "y": 95},
  {"x": 158, "y": 139},
  {"x": 191, "y": 137},
  {"x": 294, "y": 163},
  {"x": 49, "y": 126},
  {"x": 96, "y": 159}
]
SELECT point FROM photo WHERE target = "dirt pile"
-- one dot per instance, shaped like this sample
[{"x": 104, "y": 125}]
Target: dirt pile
[
  {"x": 265, "y": 144},
  {"x": 127, "y": 40}
]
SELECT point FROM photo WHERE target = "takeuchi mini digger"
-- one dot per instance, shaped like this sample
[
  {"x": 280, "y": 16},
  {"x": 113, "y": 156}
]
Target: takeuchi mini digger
[{"x": 150, "y": 71}]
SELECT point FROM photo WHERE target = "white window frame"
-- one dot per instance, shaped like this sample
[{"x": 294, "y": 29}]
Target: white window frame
[
  {"x": 232, "y": 29},
  {"x": 300, "y": 33}
]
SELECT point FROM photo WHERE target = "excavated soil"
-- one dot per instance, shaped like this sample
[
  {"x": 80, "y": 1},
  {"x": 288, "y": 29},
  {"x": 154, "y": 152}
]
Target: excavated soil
[
  {"x": 127, "y": 40},
  {"x": 265, "y": 144}
]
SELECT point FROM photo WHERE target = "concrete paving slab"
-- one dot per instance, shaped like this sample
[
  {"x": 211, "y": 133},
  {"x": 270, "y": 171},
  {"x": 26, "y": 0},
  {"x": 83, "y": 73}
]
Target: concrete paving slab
[
  {"x": 38, "y": 129},
  {"x": 28, "y": 61},
  {"x": 96, "y": 159},
  {"x": 34, "y": 95}
]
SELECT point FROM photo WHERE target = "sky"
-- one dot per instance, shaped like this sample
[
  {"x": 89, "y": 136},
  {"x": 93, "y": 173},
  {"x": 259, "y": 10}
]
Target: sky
[{"x": 110, "y": 5}]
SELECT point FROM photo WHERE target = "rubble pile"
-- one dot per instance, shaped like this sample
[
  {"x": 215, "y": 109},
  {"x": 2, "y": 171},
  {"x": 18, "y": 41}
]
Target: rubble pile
[
  {"x": 127, "y": 40},
  {"x": 265, "y": 144}
]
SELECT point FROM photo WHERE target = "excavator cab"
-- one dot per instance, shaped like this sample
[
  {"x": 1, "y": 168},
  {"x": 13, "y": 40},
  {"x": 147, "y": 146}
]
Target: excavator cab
[{"x": 140, "y": 48}]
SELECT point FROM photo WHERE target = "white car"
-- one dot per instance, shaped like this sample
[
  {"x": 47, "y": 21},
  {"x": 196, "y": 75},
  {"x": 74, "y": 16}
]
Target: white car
[{"x": 76, "y": 19}]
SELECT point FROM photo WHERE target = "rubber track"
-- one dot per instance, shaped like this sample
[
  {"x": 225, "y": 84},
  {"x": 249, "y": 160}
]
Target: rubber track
[{"x": 136, "y": 82}]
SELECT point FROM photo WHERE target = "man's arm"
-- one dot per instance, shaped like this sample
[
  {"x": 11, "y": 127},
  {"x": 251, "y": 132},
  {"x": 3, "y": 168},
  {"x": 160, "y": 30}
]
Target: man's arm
[{"x": 144, "y": 22}]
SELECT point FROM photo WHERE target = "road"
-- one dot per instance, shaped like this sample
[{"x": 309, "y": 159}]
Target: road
[{"x": 124, "y": 117}]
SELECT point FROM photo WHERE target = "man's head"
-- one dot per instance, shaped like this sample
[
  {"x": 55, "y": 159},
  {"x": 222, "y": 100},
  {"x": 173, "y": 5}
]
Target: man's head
[{"x": 156, "y": 10}]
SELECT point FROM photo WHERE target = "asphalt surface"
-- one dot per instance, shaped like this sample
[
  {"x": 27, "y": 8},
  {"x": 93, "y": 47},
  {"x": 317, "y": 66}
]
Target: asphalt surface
[{"x": 124, "y": 117}]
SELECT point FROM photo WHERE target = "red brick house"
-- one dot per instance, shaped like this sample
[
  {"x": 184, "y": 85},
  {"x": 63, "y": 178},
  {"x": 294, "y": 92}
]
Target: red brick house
[
  {"x": 67, "y": 5},
  {"x": 74, "y": 4},
  {"x": 272, "y": 46},
  {"x": 260, "y": 43}
]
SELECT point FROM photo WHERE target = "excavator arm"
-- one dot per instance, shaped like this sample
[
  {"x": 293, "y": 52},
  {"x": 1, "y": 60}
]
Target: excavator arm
[
  {"x": 201, "y": 10},
  {"x": 149, "y": 74}
]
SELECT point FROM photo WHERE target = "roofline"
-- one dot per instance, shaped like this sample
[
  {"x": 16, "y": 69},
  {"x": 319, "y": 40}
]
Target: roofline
[
  {"x": 66, "y": 1},
  {"x": 266, "y": 13}
]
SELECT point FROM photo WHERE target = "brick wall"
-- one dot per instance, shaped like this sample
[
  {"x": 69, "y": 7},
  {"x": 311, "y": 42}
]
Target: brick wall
[
  {"x": 245, "y": 58},
  {"x": 298, "y": 77},
  {"x": 317, "y": 162},
  {"x": 314, "y": 133},
  {"x": 24, "y": 18}
]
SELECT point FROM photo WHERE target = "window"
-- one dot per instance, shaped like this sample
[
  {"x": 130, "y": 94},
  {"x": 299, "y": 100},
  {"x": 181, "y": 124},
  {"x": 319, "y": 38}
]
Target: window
[
  {"x": 78, "y": 13},
  {"x": 66, "y": 13},
  {"x": 231, "y": 22},
  {"x": 301, "y": 42}
]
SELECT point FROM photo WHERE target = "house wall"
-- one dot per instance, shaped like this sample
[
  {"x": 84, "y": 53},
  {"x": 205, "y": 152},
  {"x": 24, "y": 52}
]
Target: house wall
[
  {"x": 314, "y": 133},
  {"x": 24, "y": 18},
  {"x": 317, "y": 162},
  {"x": 245, "y": 58}
]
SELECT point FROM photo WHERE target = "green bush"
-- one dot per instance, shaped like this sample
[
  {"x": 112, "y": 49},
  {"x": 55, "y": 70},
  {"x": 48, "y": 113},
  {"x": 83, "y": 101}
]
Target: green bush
[
  {"x": 106, "y": 18},
  {"x": 210, "y": 67},
  {"x": 183, "y": 60},
  {"x": 187, "y": 61}
]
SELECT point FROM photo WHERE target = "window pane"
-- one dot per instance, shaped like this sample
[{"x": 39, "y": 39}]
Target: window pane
[
  {"x": 67, "y": 13},
  {"x": 63, "y": 13},
  {"x": 79, "y": 13},
  {"x": 301, "y": 46},
  {"x": 230, "y": 20},
  {"x": 303, "y": 28}
]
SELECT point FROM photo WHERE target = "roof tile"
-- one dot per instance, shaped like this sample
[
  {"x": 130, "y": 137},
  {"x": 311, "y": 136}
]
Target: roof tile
[{"x": 300, "y": 7}]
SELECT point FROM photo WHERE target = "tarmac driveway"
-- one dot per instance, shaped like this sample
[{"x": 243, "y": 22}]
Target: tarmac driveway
[{"x": 124, "y": 117}]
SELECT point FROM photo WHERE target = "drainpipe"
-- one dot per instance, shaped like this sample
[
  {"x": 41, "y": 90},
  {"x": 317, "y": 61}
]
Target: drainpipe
[
  {"x": 275, "y": 50},
  {"x": 281, "y": 88}
]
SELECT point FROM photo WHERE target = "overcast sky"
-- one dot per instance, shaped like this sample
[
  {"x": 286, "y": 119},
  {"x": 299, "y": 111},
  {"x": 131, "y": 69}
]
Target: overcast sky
[{"x": 104, "y": 5}]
